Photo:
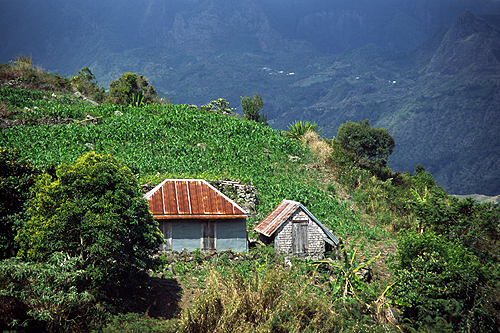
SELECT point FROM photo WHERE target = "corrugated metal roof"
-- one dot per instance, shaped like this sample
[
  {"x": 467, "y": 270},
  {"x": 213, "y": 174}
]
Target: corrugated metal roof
[
  {"x": 191, "y": 198},
  {"x": 277, "y": 217},
  {"x": 282, "y": 213}
]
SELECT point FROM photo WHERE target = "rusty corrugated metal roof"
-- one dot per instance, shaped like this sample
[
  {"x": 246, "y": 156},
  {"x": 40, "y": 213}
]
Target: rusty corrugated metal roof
[
  {"x": 277, "y": 217},
  {"x": 191, "y": 198},
  {"x": 282, "y": 213}
]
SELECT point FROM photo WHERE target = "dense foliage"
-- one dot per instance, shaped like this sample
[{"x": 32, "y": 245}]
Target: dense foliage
[
  {"x": 17, "y": 175},
  {"x": 370, "y": 145},
  {"x": 91, "y": 209},
  {"x": 46, "y": 297},
  {"x": 131, "y": 88},
  {"x": 445, "y": 287},
  {"x": 252, "y": 107},
  {"x": 297, "y": 129},
  {"x": 86, "y": 83}
]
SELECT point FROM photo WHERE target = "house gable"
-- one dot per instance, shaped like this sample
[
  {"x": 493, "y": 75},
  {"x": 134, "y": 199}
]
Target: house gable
[
  {"x": 193, "y": 214},
  {"x": 191, "y": 199},
  {"x": 282, "y": 213},
  {"x": 296, "y": 231}
]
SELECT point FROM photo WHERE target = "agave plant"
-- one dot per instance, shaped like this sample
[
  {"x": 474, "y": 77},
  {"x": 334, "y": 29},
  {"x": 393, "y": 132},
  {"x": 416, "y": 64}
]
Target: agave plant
[{"x": 298, "y": 128}]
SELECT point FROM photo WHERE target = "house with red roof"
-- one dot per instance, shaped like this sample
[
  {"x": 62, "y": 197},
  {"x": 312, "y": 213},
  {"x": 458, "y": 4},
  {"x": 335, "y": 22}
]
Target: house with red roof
[{"x": 192, "y": 214}]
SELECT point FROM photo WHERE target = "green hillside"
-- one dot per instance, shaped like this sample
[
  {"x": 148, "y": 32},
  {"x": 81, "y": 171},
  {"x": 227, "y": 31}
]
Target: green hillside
[
  {"x": 179, "y": 141},
  {"x": 405, "y": 243},
  {"x": 426, "y": 72}
]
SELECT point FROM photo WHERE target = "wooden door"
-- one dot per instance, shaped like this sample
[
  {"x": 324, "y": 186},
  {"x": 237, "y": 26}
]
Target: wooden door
[
  {"x": 299, "y": 237},
  {"x": 208, "y": 229}
]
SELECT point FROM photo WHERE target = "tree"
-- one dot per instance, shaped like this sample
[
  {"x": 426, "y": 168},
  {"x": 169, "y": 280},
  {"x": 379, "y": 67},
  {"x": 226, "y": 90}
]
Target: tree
[
  {"x": 86, "y": 83},
  {"x": 133, "y": 89},
  {"x": 251, "y": 108},
  {"x": 91, "y": 209},
  {"x": 370, "y": 145},
  {"x": 220, "y": 106}
]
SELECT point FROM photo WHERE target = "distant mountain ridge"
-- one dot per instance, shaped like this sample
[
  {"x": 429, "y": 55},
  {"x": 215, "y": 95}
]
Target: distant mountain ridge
[
  {"x": 471, "y": 41},
  {"x": 323, "y": 61}
]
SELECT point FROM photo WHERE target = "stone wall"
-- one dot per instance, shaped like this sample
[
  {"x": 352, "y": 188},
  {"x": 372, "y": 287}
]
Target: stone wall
[{"x": 245, "y": 195}]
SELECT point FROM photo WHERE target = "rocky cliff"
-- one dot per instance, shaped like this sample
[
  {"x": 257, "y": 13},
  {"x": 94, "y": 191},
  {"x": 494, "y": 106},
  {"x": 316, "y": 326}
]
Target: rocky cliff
[{"x": 470, "y": 44}]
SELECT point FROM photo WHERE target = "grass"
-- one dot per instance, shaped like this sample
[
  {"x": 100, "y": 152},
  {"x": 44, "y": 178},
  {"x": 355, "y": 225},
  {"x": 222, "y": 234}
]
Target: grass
[
  {"x": 259, "y": 291},
  {"x": 177, "y": 140}
]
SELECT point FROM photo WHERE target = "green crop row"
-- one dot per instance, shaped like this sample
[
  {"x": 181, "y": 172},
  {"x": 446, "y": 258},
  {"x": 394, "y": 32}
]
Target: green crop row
[{"x": 178, "y": 140}]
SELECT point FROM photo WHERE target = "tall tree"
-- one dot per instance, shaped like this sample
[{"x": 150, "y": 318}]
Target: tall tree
[
  {"x": 370, "y": 145},
  {"x": 131, "y": 88},
  {"x": 252, "y": 107}
]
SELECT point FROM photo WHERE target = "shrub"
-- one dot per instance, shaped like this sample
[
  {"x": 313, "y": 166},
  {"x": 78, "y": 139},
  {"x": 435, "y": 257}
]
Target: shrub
[
  {"x": 17, "y": 175},
  {"x": 220, "y": 106},
  {"x": 297, "y": 129},
  {"x": 131, "y": 89},
  {"x": 440, "y": 283},
  {"x": 91, "y": 209},
  {"x": 45, "y": 296},
  {"x": 252, "y": 108},
  {"x": 370, "y": 145},
  {"x": 85, "y": 83},
  {"x": 22, "y": 74}
]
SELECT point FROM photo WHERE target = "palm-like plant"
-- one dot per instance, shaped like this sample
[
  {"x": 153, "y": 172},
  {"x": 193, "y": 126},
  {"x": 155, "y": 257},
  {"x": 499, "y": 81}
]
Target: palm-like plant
[{"x": 298, "y": 128}]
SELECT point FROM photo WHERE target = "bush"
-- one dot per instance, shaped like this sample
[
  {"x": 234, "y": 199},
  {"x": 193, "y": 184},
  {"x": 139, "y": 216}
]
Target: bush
[
  {"x": 45, "y": 296},
  {"x": 22, "y": 74},
  {"x": 252, "y": 108},
  {"x": 440, "y": 283},
  {"x": 131, "y": 89},
  {"x": 93, "y": 210},
  {"x": 17, "y": 175},
  {"x": 85, "y": 83},
  {"x": 298, "y": 129},
  {"x": 370, "y": 145}
]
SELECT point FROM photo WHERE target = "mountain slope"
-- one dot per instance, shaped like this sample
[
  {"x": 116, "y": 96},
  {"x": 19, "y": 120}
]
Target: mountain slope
[
  {"x": 445, "y": 116},
  {"x": 439, "y": 100},
  {"x": 471, "y": 41}
]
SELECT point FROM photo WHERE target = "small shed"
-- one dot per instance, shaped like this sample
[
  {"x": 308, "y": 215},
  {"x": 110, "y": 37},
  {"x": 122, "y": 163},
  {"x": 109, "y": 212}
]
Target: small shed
[
  {"x": 193, "y": 214},
  {"x": 295, "y": 231}
]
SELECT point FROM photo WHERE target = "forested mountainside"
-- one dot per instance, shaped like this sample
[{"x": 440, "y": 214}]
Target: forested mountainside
[{"x": 414, "y": 67}]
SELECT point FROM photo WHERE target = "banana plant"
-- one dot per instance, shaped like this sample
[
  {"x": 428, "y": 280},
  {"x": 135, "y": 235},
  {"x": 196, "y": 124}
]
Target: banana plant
[
  {"x": 344, "y": 278},
  {"x": 418, "y": 197}
]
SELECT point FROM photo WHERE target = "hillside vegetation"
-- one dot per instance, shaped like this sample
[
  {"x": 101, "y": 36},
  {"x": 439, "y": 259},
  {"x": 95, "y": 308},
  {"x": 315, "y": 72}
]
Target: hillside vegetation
[
  {"x": 412, "y": 257},
  {"x": 426, "y": 71}
]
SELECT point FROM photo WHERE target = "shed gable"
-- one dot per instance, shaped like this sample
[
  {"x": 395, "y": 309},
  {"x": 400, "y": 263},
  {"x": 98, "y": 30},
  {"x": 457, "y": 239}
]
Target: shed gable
[{"x": 281, "y": 217}]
